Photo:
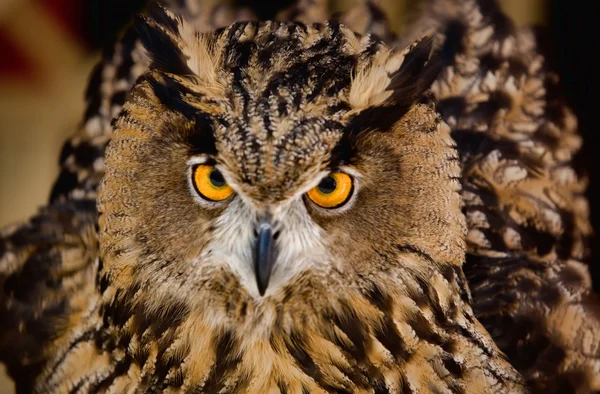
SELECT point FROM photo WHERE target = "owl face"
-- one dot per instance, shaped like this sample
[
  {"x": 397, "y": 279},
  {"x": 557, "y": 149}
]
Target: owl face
[{"x": 264, "y": 161}]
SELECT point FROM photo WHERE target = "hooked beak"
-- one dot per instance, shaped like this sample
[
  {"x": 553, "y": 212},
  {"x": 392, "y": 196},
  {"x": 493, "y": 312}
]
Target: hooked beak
[{"x": 263, "y": 255}]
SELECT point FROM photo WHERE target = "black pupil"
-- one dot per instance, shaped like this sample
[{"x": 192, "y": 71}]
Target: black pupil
[
  {"x": 216, "y": 178},
  {"x": 327, "y": 185}
]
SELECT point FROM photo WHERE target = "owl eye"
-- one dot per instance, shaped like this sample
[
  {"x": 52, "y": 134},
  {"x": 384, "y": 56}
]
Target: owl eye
[
  {"x": 333, "y": 191},
  {"x": 210, "y": 184}
]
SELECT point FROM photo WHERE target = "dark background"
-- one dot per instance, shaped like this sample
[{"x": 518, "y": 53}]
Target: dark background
[{"x": 574, "y": 29}]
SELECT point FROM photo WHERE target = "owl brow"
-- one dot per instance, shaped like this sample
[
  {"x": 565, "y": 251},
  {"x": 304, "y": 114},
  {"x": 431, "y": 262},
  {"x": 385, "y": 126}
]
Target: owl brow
[
  {"x": 171, "y": 93},
  {"x": 371, "y": 120},
  {"x": 409, "y": 85}
]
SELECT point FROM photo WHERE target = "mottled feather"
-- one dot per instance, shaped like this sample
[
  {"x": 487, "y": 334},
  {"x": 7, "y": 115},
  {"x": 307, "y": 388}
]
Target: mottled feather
[
  {"x": 115, "y": 304},
  {"x": 525, "y": 203}
]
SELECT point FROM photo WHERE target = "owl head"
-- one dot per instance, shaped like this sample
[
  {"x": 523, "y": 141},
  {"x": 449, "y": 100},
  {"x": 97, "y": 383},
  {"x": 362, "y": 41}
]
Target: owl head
[{"x": 268, "y": 174}]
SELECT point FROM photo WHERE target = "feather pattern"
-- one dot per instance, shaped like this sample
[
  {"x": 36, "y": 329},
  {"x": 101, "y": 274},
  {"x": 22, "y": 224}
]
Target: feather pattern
[
  {"x": 77, "y": 320},
  {"x": 524, "y": 199}
]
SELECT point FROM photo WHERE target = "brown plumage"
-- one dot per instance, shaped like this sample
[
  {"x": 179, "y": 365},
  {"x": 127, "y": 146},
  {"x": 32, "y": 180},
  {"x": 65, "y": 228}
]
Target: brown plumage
[{"x": 457, "y": 263}]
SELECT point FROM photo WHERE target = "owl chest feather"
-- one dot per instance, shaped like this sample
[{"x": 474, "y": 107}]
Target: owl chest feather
[{"x": 364, "y": 342}]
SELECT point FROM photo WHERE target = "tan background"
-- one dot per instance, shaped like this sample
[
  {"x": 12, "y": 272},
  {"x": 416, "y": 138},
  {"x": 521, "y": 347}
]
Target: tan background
[{"x": 36, "y": 116}]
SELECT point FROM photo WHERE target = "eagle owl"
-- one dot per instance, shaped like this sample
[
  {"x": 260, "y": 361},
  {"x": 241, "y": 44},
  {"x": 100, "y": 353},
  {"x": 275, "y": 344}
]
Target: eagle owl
[{"x": 311, "y": 204}]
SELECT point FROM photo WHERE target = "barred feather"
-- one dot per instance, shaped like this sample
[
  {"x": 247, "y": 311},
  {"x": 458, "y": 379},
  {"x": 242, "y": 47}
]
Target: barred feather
[{"x": 136, "y": 316}]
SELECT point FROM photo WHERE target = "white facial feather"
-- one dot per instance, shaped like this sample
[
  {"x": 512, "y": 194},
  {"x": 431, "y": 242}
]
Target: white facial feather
[{"x": 298, "y": 245}]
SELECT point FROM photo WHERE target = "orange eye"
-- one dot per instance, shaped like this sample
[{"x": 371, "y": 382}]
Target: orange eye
[
  {"x": 333, "y": 191},
  {"x": 210, "y": 184}
]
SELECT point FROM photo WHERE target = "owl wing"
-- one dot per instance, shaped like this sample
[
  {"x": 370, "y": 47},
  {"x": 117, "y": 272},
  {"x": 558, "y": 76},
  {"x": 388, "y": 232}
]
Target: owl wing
[
  {"x": 47, "y": 271},
  {"x": 48, "y": 265},
  {"x": 524, "y": 199}
]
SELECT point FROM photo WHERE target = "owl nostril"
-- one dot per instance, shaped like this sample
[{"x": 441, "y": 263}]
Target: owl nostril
[
  {"x": 255, "y": 232},
  {"x": 276, "y": 235}
]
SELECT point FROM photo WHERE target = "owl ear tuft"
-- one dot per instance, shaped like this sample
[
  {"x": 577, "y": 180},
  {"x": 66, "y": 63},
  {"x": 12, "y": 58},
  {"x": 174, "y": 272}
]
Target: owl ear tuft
[
  {"x": 421, "y": 64},
  {"x": 174, "y": 46},
  {"x": 159, "y": 35},
  {"x": 397, "y": 78},
  {"x": 384, "y": 91}
]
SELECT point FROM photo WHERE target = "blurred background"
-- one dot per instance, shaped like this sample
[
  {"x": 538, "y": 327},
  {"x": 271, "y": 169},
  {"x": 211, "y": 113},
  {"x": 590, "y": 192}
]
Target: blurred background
[{"x": 48, "y": 48}]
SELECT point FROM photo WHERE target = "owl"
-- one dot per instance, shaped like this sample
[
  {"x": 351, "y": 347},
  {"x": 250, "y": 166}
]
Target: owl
[{"x": 310, "y": 204}]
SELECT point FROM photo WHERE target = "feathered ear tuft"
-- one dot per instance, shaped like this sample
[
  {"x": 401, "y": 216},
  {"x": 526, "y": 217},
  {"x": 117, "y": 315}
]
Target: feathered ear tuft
[
  {"x": 383, "y": 91},
  {"x": 420, "y": 67},
  {"x": 159, "y": 34},
  {"x": 174, "y": 46},
  {"x": 399, "y": 78}
]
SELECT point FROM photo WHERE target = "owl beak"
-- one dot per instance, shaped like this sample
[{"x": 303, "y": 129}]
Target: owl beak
[{"x": 263, "y": 256}]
